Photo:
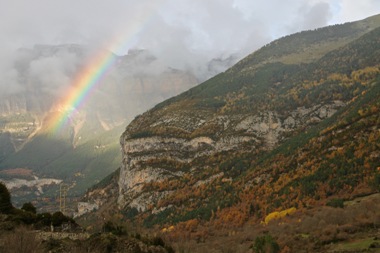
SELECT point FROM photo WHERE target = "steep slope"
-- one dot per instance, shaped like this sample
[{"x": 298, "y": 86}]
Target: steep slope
[
  {"x": 338, "y": 158},
  {"x": 211, "y": 152}
]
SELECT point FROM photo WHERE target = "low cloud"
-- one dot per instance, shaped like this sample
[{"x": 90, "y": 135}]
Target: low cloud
[
  {"x": 314, "y": 16},
  {"x": 203, "y": 37},
  {"x": 46, "y": 69}
]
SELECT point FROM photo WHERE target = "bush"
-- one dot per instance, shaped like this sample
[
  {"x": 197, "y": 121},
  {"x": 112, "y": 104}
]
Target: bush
[
  {"x": 22, "y": 241},
  {"x": 336, "y": 203},
  {"x": 52, "y": 244},
  {"x": 29, "y": 207},
  {"x": 158, "y": 241},
  {"x": 21, "y": 216},
  {"x": 110, "y": 227},
  {"x": 44, "y": 219},
  {"x": 376, "y": 182},
  {"x": 265, "y": 244},
  {"x": 58, "y": 218}
]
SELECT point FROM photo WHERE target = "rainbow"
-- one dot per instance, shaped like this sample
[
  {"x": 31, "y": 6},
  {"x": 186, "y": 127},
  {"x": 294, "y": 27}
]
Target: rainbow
[
  {"x": 86, "y": 81},
  {"x": 89, "y": 77}
]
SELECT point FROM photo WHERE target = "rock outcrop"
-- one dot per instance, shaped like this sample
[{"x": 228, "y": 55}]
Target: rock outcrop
[
  {"x": 222, "y": 129},
  {"x": 259, "y": 142},
  {"x": 142, "y": 157}
]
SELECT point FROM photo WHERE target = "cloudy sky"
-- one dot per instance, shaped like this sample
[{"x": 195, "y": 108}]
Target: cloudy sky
[
  {"x": 199, "y": 24},
  {"x": 184, "y": 33}
]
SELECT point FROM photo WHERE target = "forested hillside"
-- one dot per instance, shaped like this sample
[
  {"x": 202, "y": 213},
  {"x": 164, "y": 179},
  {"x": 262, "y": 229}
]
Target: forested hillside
[{"x": 287, "y": 132}]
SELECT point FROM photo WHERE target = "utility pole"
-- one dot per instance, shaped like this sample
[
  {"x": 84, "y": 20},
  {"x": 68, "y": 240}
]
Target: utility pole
[{"x": 62, "y": 197}]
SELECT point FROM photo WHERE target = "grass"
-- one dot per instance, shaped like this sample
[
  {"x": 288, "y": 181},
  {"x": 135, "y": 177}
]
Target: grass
[
  {"x": 355, "y": 246},
  {"x": 314, "y": 52},
  {"x": 359, "y": 199},
  {"x": 304, "y": 236}
]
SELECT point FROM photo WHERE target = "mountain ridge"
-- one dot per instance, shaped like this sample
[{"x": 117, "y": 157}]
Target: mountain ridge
[
  {"x": 218, "y": 131},
  {"x": 261, "y": 150}
]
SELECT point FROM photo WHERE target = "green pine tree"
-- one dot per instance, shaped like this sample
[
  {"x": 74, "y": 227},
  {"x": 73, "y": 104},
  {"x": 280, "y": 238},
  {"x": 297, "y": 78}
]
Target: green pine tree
[{"x": 5, "y": 199}]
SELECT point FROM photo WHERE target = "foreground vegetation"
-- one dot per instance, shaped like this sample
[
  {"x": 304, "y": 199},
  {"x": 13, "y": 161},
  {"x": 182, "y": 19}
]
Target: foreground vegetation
[{"x": 26, "y": 231}]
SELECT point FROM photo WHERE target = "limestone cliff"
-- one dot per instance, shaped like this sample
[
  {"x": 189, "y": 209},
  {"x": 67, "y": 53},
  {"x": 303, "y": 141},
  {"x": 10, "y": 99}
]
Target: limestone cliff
[
  {"x": 264, "y": 130},
  {"x": 220, "y": 129}
]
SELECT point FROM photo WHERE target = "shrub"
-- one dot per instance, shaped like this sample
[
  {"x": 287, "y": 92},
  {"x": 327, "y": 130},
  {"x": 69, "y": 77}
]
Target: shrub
[
  {"x": 29, "y": 207},
  {"x": 58, "y": 218},
  {"x": 22, "y": 241},
  {"x": 376, "y": 182},
  {"x": 20, "y": 216},
  {"x": 158, "y": 241},
  {"x": 110, "y": 227},
  {"x": 44, "y": 219},
  {"x": 336, "y": 203},
  {"x": 265, "y": 244}
]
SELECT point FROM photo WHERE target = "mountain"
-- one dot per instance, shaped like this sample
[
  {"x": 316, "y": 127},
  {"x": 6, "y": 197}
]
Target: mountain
[
  {"x": 87, "y": 148},
  {"x": 292, "y": 127}
]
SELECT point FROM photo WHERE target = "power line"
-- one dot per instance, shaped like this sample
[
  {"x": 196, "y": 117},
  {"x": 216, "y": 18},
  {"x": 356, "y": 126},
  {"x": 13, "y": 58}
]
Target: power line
[{"x": 63, "y": 188}]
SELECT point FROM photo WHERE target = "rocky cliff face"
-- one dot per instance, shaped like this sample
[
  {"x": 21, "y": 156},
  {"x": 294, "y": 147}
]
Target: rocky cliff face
[
  {"x": 263, "y": 130},
  {"x": 200, "y": 136}
]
